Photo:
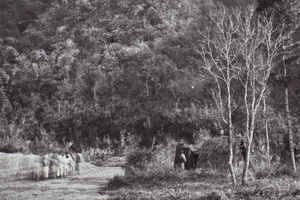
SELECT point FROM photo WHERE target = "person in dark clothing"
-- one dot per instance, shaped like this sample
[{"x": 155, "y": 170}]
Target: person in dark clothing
[
  {"x": 243, "y": 150},
  {"x": 185, "y": 156}
]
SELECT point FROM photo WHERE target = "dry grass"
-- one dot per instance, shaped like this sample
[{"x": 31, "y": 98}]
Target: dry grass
[
  {"x": 157, "y": 179},
  {"x": 199, "y": 184}
]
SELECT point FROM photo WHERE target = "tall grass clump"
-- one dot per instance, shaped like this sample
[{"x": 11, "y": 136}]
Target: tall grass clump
[
  {"x": 163, "y": 156},
  {"x": 275, "y": 188},
  {"x": 139, "y": 159},
  {"x": 275, "y": 171}
]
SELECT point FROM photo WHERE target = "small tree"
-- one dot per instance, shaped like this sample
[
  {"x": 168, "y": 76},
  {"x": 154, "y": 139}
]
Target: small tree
[
  {"x": 261, "y": 43},
  {"x": 218, "y": 50}
]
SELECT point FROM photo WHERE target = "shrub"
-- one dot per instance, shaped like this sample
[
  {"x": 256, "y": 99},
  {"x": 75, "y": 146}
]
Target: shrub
[
  {"x": 214, "y": 196},
  {"x": 162, "y": 157},
  {"x": 116, "y": 182},
  {"x": 283, "y": 170},
  {"x": 274, "y": 171},
  {"x": 138, "y": 159},
  {"x": 157, "y": 176},
  {"x": 9, "y": 148},
  {"x": 146, "y": 179},
  {"x": 97, "y": 155}
]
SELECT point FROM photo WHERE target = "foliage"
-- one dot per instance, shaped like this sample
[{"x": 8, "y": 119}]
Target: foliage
[
  {"x": 96, "y": 155},
  {"x": 116, "y": 182},
  {"x": 87, "y": 73},
  {"x": 139, "y": 159},
  {"x": 100, "y": 77},
  {"x": 9, "y": 148},
  {"x": 275, "y": 171},
  {"x": 202, "y": 184},
  {"x": 17, "y": 15}
]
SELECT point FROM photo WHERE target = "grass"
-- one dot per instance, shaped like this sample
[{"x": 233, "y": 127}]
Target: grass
[
  {"x": 160, "y": 184},
  {"x": 152, "y": 176},
  {"x": 199, "y": 184}
]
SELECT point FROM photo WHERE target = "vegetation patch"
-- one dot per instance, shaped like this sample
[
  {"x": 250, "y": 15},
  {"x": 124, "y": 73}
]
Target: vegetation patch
[
  {"x": 117, "y": 182},
  {"x": 214, "y": 187}
]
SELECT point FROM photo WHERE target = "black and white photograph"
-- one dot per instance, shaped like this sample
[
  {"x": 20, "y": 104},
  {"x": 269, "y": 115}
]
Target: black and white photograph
[{"x": 149, "y": 99}]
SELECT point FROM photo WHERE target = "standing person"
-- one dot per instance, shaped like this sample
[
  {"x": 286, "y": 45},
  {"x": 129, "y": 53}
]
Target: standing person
[
  {"x": 182, "y": 160},
  {"x": 46, "y": 166},
  {"x": 70, "y": 162},
  {"x": 79, "y": 160},
  {"x": 62, "y": 169}
]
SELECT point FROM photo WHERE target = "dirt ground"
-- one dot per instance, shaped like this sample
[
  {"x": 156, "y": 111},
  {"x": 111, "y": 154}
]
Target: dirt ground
[{"x": 86, "y": 185}]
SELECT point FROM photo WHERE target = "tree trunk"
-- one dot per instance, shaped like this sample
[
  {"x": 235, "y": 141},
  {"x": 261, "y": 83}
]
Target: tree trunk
[
  {"x": 268, "y": 144},
  {"x": 267, "y": 133},
  {"x": 289, "y": 120},
  {"x": 230, "y": 139},
  {"x": 247, "y": 163},
  {"x": 291, "y": 140}
]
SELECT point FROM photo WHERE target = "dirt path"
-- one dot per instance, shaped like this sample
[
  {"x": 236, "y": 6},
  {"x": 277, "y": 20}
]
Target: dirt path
[{"x": 86, "y": 185}]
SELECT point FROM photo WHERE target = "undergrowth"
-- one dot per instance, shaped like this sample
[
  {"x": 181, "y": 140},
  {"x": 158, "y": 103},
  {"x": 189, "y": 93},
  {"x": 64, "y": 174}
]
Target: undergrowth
[{"x": 151, "y": 175}]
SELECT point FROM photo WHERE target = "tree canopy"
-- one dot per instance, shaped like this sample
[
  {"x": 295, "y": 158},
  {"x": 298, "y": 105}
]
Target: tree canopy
[{"x": 83, "y": 70}]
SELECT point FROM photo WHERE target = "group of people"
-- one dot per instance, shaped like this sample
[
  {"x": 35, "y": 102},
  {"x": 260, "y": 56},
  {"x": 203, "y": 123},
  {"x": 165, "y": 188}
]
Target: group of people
[{"x": 57, "y": 165}]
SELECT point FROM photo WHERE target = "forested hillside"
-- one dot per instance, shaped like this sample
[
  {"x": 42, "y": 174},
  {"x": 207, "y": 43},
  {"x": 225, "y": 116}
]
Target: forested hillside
[{"x": 90, "y": 71}]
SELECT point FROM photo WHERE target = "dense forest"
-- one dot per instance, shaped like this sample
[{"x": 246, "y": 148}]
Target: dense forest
[{"x": 90, "y": 71}]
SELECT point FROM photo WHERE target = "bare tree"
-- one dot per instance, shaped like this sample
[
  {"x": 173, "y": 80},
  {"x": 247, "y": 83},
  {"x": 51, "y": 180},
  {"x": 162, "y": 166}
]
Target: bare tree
[
  {"x": 261, "y": 43},
  {"x": 238, "y": 45},
  {"x": 218, "y": 51}
]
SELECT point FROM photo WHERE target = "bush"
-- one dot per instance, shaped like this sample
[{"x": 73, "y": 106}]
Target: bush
[
  {"x": 9, "y": 148},
  {"x": 163, "y": 157},
  {"x": 284, "y": 170},
  {"x": 146, "y": 179},
  {"x": 158, "y": 176},
  {"x": 138, "y": 159},
  {"x": 97, "y": 155},
  {"x": 275, "y": 171},
  {"x": 116, "y": 182},
  {"x": 214, "y": 196}
]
